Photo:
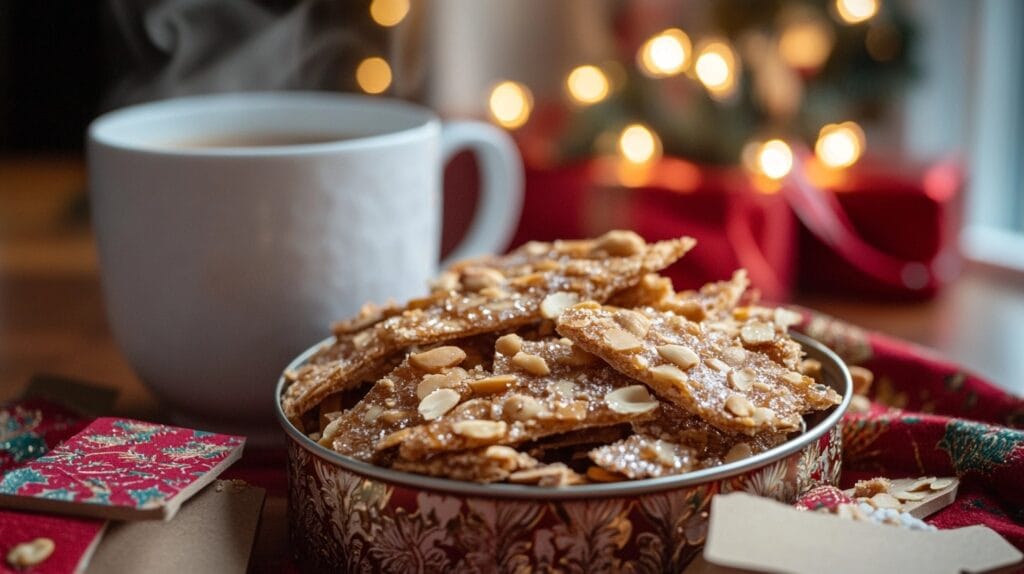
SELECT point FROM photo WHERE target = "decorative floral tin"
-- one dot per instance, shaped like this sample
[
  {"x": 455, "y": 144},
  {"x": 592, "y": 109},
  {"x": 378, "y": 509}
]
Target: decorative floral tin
[{"x": 349, "y": 516}]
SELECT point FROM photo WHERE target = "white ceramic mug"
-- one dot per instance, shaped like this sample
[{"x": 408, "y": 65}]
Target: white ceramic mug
[{"x": 226, "y": 247}]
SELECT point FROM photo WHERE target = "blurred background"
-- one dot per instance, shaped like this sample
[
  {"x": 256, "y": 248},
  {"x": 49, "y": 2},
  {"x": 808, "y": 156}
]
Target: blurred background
[{"x": 863, "y": 157}]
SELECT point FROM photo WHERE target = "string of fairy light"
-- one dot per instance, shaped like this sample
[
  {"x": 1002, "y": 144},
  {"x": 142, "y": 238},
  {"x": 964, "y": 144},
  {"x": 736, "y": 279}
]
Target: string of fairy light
[{"x": 713, "y": 62}]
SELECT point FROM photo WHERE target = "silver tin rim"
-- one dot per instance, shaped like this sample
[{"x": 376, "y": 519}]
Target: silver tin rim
[{"x": 836, "y": 373}]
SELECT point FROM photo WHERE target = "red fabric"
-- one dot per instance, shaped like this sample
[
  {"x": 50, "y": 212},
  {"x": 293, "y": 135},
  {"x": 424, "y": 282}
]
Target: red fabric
[{"x": 932, "y": 418}]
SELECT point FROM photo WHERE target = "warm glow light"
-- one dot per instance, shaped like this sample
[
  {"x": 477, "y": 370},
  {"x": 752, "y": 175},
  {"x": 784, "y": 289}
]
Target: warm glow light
[
  {"x": 373, "y": 75},
  {"x": 638, "y": 144},
  {"x": 716, "y": 68},
  {"x": 587, "y": 84},
  {"x": 839, "y": 145},
  {"x": 806, "y": 44},
  {"x": 856, "y": 11},
  {"x": 510, "y": 104},
  {"x": 389, "y": 12},
  {"x": 665, "y": 54},
  {"x": 774, "y": 159}
]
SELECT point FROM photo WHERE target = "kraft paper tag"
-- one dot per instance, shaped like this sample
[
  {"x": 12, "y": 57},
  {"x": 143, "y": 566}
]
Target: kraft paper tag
[
  {"x": 213, "y": 532},
  {"x": 757, "y": 534}
]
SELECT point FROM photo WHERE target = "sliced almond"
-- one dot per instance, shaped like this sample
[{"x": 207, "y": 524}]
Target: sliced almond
[
  {"x": 757, "y": 333},
  {"x": 509, "y": 345},
  {"x": 432, "y": 382},
  {"x": 885, "y": 500},
  {"x": 622, "y": 341},
  {"x": 330, "y": 432},
  {"x": 941, "y": 483},
  {"x": 563, "y": 388},
  {"x": 734, "y": 356},
  {"x": 553, "y": 305},
  {"x": 438, "y": 358},
  {"x": 743, "y": 379},
  {"x": 921, "y": 484},
  {"x": 619, "y": 243},
  {"x": 739, "y": 405},
  {"x": 556, "y": 474},
  {"x": 521, "y": 408},
  {"x": 718, "y": 365},
  {"x": 492, "y": 385},
  {"x": 633, "y": 322},
  {"x": 669, "y": 374},
  {"x": 437, "y": 403},
  {"x": 631, "y": 399},
  {"x": 371, "y": 414},
  {"x": 680, "y": 356},
  {"x": 739, "y": 451},
  {"x": 480, "y": 429},
  {"x": 532, "y": 364},
  {"x": 763, "y": 415},
  {"x": 28, "y": 554},
  {"x": 909, "y": 496},
  {"x": 477, "y": 278},
  {"x": 794, "y": 378}
]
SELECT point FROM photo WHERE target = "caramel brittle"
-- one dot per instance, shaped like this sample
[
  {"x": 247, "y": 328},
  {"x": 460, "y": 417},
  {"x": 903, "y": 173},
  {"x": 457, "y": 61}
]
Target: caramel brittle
[
  {"x": 640, "y": 456},
  {"x": 484, "y": 296},
  {"x": 490, "y": 464},
  {"x": 717, "y": 375},
  {"x": 548, "y": 387}
]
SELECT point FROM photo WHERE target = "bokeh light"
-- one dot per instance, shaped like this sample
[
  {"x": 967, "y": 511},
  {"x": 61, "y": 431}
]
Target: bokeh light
[
  {"x": 856, "y": 11},
  {"x": 510, "y": 104},
  {"x": 373, "y": 75},
  {"x": 639, "y": 144},
  {"x": 389, "y": 12},
  {"x": 806, "y": 44},
  {"x": 716, "y": 68},
  {"x": 774, "y": 159},
  {"x": 587, "y": 84},
  {"x": 665, "y": 54},
  {"x": 840, "y": 145}
]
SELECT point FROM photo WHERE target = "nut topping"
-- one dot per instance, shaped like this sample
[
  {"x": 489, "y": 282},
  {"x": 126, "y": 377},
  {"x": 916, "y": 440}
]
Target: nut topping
[
  {"x": 28, "y": 554},
  {"x": 633, "y": 322},
  {"x": 532, "y": 364},
  {"x": 743, "y": 379},
  {"x": 477, "y": 278},
  {"x": 739, "y": 451},
  {"x": 621, "y": 340},
  {"x": 757, "y": 333},
  {"x": 436, "y": 359},
  {"x": 620, "y": 243},
  {"x": 492, "y": 385},
  {"x": 509, "y": 344},
  {"x": 739, "y": 406},
  {"x": 480, "y": 429},
  {"x": 553, "y": 305},
  {"x": 680, "y": 356},
  {"x": 631, "y": 399},
  {"x": 438, "y": 403}
]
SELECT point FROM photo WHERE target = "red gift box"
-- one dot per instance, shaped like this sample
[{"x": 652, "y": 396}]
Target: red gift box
[{"x": 882, "y": 229}]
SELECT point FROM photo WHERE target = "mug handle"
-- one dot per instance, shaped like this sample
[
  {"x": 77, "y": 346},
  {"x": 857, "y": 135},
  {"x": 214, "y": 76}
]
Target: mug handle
[{"x": 501, "y": 186}]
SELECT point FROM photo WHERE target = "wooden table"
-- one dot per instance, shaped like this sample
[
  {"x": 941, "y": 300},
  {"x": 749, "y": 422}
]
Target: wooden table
[{"x": 52, "y": 318}]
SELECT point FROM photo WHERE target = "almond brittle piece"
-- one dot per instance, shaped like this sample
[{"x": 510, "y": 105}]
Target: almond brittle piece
[
  {"x": 490, "y": 464},
  {"x": 574, "y": 391},
  {"x": 734, "y": 387},
  {"x": 640, "y": 456},
  {"x": 487, "y": 295}
]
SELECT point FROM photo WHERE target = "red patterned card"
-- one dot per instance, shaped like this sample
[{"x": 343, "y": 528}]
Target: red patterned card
[
  {"x": 74, "y": 540},
  {"x": 121, "y": 469}
]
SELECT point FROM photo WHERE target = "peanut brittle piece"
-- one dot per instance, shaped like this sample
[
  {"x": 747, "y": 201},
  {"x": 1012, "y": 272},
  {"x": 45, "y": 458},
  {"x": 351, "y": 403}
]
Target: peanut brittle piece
[
  {"x": 716, "y": 300},
  {"x": 491, "y": 464},
  {"x": 546, "y": 387},
  {"x": 489, "y": 295},
  {"x": 640, "y": 456},
  {"x": 717, "y": 375}
]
